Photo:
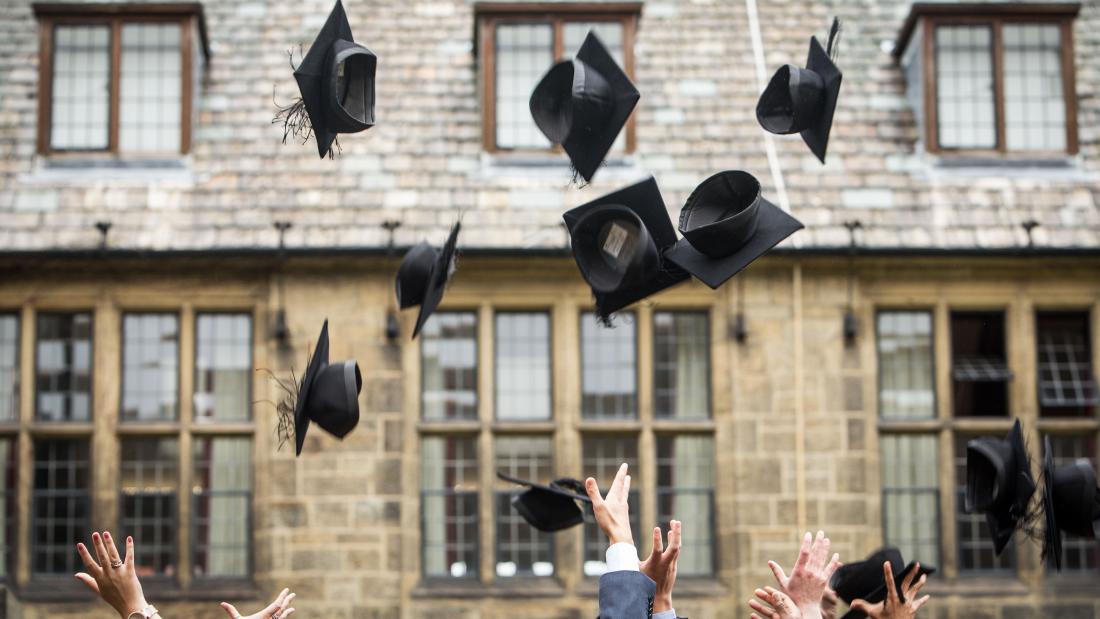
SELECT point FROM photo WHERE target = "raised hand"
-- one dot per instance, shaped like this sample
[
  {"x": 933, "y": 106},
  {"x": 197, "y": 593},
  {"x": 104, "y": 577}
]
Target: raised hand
[
  {"x": 613, "y": 511},
  {"x": 661, "y": 565},
  {"x": 893, "y": 607},
  {"x": 279, "y": 609},
  {"x": 810, "y": 576},
  {"x": 773, "y": 605},
  {"x": 111, "y": 577}
]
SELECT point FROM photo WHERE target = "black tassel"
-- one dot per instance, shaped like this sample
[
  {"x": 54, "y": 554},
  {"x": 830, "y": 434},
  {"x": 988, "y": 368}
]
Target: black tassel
[
  {"x": 285, "y": 430},
  {"x": 833, "y": 48},
  {"x": 295, "y": 119}
]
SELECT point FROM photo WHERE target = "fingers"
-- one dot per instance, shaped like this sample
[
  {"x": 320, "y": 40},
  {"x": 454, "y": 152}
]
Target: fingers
[
  {"x": 286, "y": 602},
  {"x": 891, "y": 588},
  {"x": 88, "y": 581},
  {"x": 287, "y": 613},
  {"x": 617, "y": 485},
  {"x": 86, "y": 557},
  {"x": 908, "y": 580},
  {"x": 780, "y": 575},
  {"x": 833, "y": 566},
  {"x": 129, "y": 550},
  {"x": 624, "y": 492},
  {"x": 819, "y": 551},
  {"x": 762, "y": 609},
  {"x": 803, "y": 552},
  {"x": 100, "y": 550},
  {"x": 279, "y": 599},
  {"x": 230, "y": 610},
  {"x": 593, "y": 491},
  {"x": 861, "y": 605},
  {"x": 920, "y": 602},
  {"x": 658, "y": 543},
  {"x": 674, "y": 537},
  {"x": 112, "y": 550},
  {"x": 912, "y": 593}
]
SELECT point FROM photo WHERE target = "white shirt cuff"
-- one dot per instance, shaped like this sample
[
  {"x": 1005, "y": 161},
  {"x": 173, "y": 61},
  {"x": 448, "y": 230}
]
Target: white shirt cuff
[
  {"x": 622, "y": 557},
  {"x": 665, "y": 614}
]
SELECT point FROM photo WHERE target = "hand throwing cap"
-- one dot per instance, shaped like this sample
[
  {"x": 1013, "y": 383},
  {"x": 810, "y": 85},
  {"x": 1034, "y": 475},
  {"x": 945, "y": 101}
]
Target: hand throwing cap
[
  {"x": 803, "y": 100},
  {"x": 999, "y": 483},
  {"x": 618, "y": 241},
  {"x": 423, "y": 276},
  {"x": 552, "y": 507},
  {"x": 1071, "y": 502},
  {"x": 863, "y": 580},
  {"x": 583, "y": 104},
  {"x": 328, "y": 395},
  {"x": 336, "y": 79},
  {"x": 726, "y": 225}
]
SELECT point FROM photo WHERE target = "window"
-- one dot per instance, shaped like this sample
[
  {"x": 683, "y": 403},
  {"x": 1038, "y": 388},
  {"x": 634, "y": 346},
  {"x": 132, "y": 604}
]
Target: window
[
  {"x": 9, "y": 368},
  {"x": 601, "y": 456},
  {"x": 1067, "y": 381},
  {"x": 685, "y": 491},
  {"x": 449, "y": 507},
  {"x": 608, "y": 368},
  {"x": 1001, "y": 80},
  {"x": 910, "y": 496},
  {"x": 523, "y": 366},
  {"x": 449, "y": 367},
  {"x": 1078, "y": 554},
  {"x": 8, "y": 479},
  {"x": 63, "y": 373},
  {"x": 118, "y": 81},
  {"x": 61, "y": 510},
  {"x": 519, "y": 44},
  {"x": 149, "y": 491},
  {"x": 223, "y": 367},
  {"x": 979, "y": 366},
  {"x": 150, "y": 367},
  {"x": 221, "y": 497},
  {"x": 681, "y": 364},
  {"x": 906, "y": 389},
  {"x": 522, "y": 550}
]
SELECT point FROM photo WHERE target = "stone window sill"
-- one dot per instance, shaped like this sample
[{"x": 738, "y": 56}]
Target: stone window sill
[
  {"x": 1048, "y": 168},
  {"x": 67, "y": 589},
  {"x": 70, "y": 170},
  {"x": 978, "y": 586}
]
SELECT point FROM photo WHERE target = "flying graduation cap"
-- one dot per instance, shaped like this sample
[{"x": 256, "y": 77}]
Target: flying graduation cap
[
  {"x": 336, "y": 80},
  {"x": 999, "y": 483},
  {"x": 328, "y": 395},
  {"x": 803, "y": 99},
  {"x": 423, "y": 276},
  {"x": 583, "y": 103},
  {"x": 1071, "y": 502},
  {"x": 863, "y": 580},
  {"x": 552, "y": 507}
]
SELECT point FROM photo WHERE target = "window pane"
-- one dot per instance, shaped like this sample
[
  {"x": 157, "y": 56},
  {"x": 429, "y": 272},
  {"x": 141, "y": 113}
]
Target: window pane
[
  {"x": 1078, "y": 554},
  {"x": 975, "y": 542},
  {"x": 681, "y": 365},
  {"x": 685, "y": 491},
  {"x": 978, "y": 364},
  {"x": 448, "y": 348},
  {"x": 906, "y": 380},
  {"x": 9, "y": 367},
  {"x": 222, "y": 507},
  {"x": 149, "y": 118},
  {"x": 1035, "y": 108},
  {"x": 611, "y": 34},
  {"x": 448, "y": 494},
  {"x": 964, "y": 87},
  {"x": 149, "y": 489},
  {"x": 910, "y": 496},
  {"x": 61, "y": 514},
  {"x": 223, "y": 367},
  {"x": 80, "y": 91},
  {"x": 150, "y": 367},
  {"x": 63, "y": 374},
  {"x": 1067, "y": 381},
  {"x": 522, "y": 550},
  {"x": 608, "y": 371},
  {"x": 523, "y": 366},
  {"x": 602, "y": 456},
  {"x": 8, "y": 480},
  {"x": 524, "y": 52}
]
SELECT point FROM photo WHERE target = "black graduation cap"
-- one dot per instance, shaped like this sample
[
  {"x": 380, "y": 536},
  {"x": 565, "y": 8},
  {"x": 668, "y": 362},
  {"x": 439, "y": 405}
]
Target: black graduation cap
[
  {"x": 618, "y": 241},
  {"x": 336, "y": 79},
  {"x": 583, "y": 103},
  {"x": 803, "y": 100},
  {"x": 999, "y": 483},
  {"x": 863, "y": 580},
  {"x": 1071, "y": 500},
  {"x": 552, "y": 507},
  {"x": 423, "y": 276},
  {"x": 726, "y": 225},
  {"x": 328, "y": 395}
]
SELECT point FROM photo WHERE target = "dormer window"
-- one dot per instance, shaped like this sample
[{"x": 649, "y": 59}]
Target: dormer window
[{"x": 992, "y": 81}]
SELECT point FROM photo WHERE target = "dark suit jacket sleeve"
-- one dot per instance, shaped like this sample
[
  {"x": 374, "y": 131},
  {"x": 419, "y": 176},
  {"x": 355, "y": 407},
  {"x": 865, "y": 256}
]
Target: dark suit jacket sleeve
[{"x": 626, "y": 595}]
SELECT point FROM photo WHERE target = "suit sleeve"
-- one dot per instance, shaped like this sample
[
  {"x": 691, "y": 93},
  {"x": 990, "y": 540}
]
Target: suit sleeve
[{"x": 626, "y": 595}]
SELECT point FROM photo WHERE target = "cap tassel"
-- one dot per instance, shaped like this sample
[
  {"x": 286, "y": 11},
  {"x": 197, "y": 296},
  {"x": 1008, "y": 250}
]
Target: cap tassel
[
  {"x": 295, "y": 119},
  {"x": 833, "y": 47},
  {"x": 284, "y": 409}
]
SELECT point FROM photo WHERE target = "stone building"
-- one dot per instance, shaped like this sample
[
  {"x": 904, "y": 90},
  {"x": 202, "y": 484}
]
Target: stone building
[{"x": 831, "y": 385}]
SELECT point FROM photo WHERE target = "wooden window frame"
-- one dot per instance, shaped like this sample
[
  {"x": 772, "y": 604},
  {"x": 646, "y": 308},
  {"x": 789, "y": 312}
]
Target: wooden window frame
[
  {"x": 995, "y": 16},
  {"x": 492, "y": 14},
  {"x": 188, "y": 15}
]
